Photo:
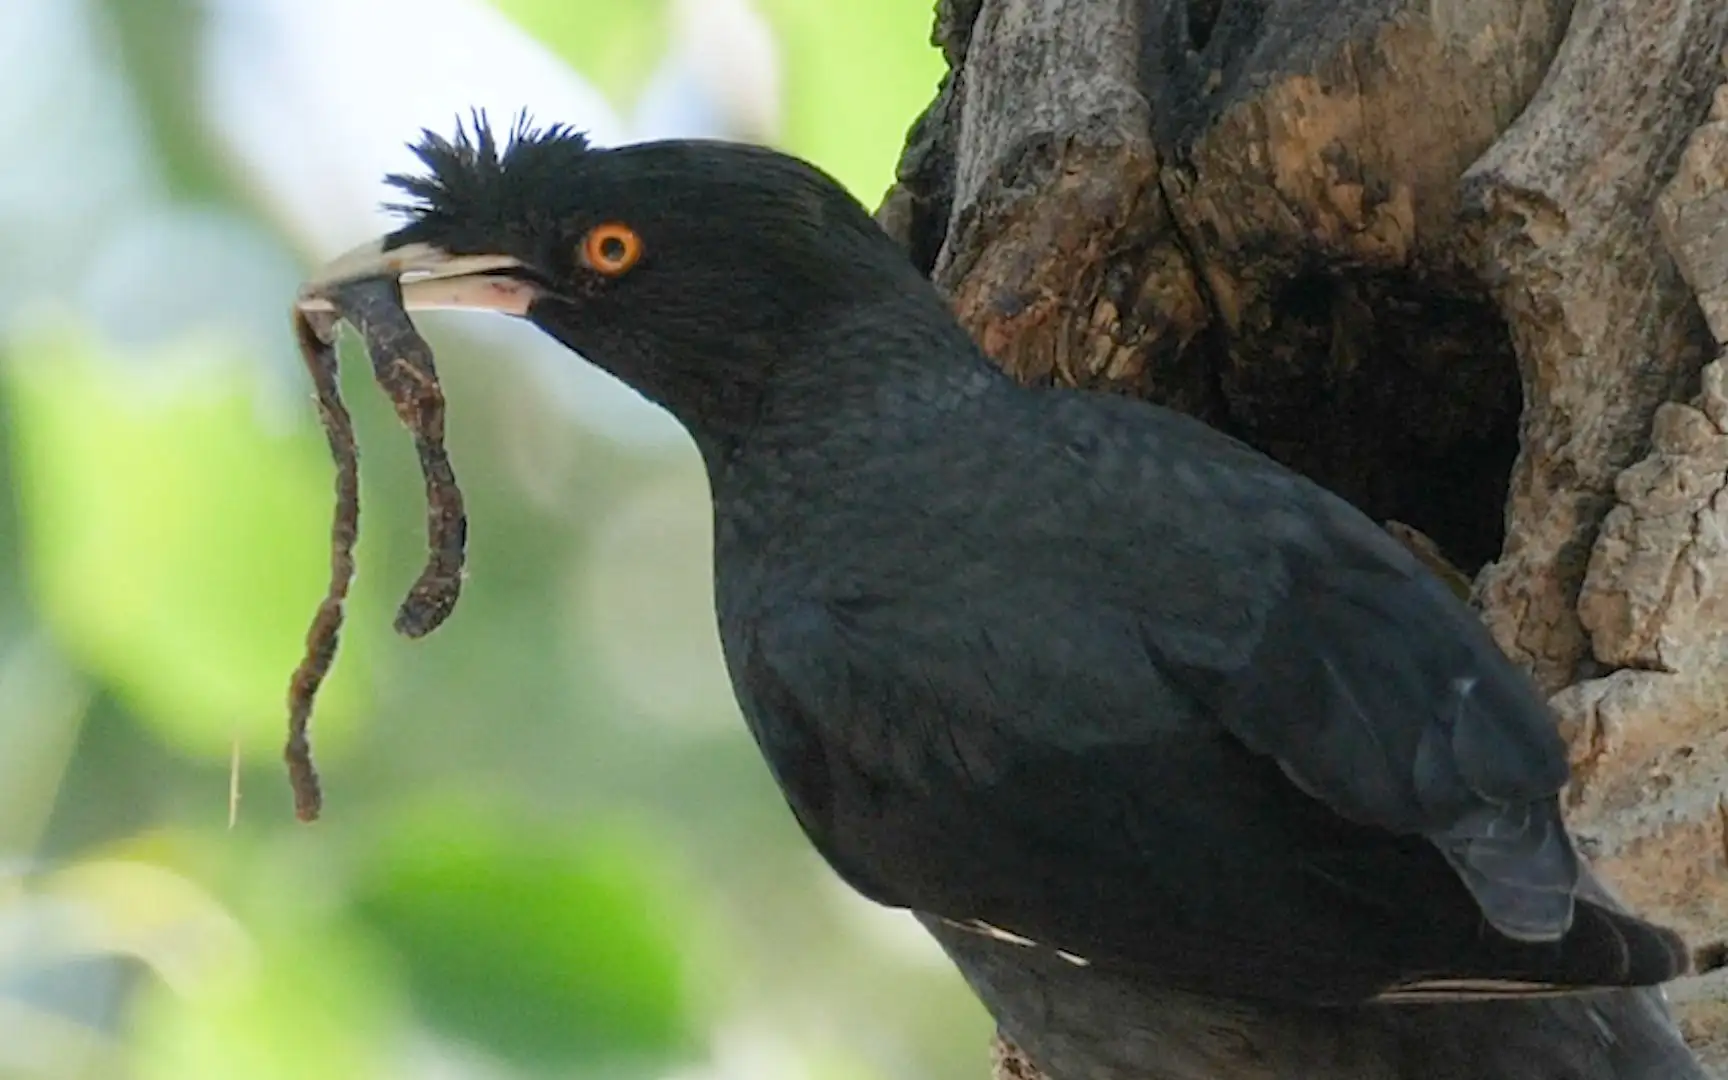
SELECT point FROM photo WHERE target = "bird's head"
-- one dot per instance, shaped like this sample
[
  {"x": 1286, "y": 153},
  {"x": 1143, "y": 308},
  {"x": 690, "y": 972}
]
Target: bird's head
[{"x": 698, "y": 272}]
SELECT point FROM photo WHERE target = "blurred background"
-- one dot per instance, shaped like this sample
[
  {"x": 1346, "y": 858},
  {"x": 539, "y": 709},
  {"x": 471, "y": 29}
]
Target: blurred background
[{"x": 549, "y": 849}]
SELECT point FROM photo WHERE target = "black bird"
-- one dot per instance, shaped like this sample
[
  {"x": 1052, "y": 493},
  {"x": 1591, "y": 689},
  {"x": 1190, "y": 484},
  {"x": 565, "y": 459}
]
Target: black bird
[{"x": 1167, "y": 745}]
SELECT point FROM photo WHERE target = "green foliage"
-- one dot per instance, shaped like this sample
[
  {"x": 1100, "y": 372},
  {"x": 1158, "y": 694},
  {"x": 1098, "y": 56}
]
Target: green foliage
[
  {"x": 502, "y": 876},
  {"x": 857, "y": 72},
  {"x": 308, "y": 1000},
  {"x": 532, "y": 942},
  {"x": 854, "y": 72},
  {"x": 175, "y": 547},
  {"x": 615, "y": 44}
]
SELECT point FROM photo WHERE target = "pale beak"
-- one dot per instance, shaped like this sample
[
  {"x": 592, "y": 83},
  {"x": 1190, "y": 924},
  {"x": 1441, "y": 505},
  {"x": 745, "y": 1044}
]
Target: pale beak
[{"x": 430, "y": 278}]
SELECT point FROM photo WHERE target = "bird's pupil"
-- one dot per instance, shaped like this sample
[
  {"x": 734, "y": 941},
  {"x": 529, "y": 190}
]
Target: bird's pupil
[{"x": 612, "y": 249}]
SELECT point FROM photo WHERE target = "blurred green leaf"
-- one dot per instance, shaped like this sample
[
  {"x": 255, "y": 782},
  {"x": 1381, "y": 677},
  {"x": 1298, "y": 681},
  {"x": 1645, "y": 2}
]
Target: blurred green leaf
[
  {"x": 153, "y": 912},
  {"x": 545, "y": 950},
  {"x": 615, "y": 44},
  {"x": 176, "y": 549},
  {"x": 310, "y": 1003},
  {"x": 857, "y": 73}
]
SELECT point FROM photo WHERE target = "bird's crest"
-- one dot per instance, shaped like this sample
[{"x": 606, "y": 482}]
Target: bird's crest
[{"x": 471, "y": 180}]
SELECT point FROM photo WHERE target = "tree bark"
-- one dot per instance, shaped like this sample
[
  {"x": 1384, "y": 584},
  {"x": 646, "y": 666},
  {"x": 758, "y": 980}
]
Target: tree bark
[{"x": 1465, "y": 262}]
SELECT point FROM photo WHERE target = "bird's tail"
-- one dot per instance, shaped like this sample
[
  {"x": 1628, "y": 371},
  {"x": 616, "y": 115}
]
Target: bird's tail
[
  {"x": 1605, "y": 947},
  {"x": 1607, "y": 1035}
]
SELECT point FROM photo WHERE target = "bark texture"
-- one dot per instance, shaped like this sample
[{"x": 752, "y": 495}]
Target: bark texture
[{"x": 1463, "y": 261}]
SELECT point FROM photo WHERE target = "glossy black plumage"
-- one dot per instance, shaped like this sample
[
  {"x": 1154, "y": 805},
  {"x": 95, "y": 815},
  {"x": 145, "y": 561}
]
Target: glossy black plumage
[
  {"x": 1219, "y": 715},
  {"x": 1070, "y": 666}
]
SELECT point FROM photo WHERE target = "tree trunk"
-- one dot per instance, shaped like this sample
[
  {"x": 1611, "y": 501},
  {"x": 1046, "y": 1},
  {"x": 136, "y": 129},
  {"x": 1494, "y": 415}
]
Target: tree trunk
[{"x": 1465, "y": 262}]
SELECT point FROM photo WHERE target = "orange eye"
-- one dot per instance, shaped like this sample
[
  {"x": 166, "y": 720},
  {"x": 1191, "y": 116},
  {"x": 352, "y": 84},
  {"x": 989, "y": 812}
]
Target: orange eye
[{"x": 611, "y": 248}]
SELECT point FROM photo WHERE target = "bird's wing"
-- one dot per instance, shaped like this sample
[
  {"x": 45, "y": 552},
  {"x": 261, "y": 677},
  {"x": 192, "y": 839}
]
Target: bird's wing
[
  {"x": 1331, "y": 650},
  {"x": 1268, "y": 828},
  {"x": 1377, "y": 693},
  {"x": 976, "y": 767},
  {"x": 1382, "y": 696}
]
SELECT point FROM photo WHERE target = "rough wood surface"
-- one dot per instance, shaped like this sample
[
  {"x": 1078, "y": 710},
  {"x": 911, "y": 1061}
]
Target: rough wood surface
[
  {"x": 1650, "y": 738},
  {"x": 1605, "y": 328},
  {"x": 1607, "y": 588},
  {"x": 1459, "y": 260}
]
